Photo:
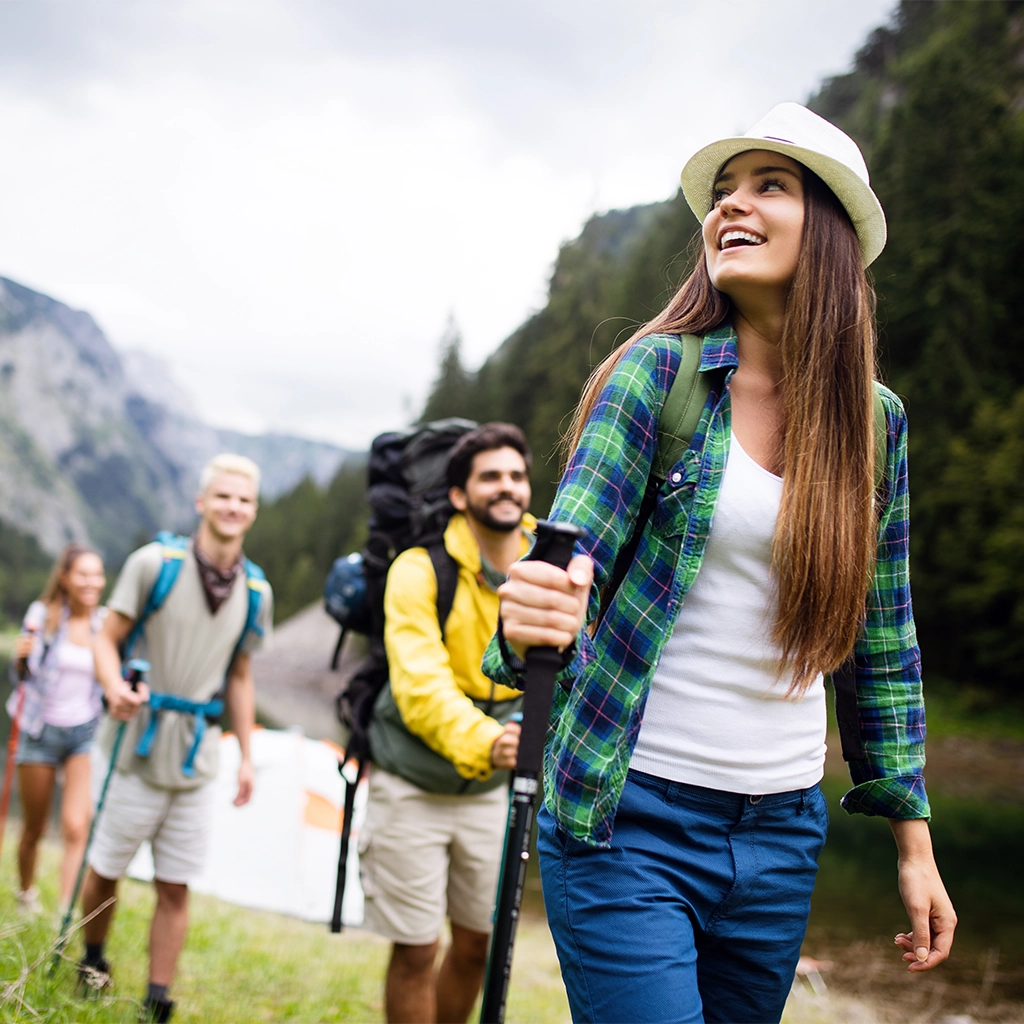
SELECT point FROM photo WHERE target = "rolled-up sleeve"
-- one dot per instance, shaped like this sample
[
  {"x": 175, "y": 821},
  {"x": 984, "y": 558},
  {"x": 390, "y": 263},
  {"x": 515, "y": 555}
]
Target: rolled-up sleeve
[{"x": 888, "y": 775}]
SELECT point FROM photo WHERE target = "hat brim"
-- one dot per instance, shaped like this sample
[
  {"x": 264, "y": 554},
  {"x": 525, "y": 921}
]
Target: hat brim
[{"x": 698, "y": 178}]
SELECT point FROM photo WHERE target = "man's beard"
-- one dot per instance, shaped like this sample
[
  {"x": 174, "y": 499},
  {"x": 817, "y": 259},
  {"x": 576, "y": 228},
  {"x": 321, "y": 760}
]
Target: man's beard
[{"x": 482, "y": 514}]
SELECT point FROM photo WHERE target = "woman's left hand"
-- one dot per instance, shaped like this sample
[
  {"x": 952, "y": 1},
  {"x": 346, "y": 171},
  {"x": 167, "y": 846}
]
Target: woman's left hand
[{"x": 932, "y": 918}]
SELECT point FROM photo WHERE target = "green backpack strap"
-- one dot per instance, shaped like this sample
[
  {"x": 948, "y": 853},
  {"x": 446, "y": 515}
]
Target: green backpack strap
[
  {"x": 680, "y": 415},
  {"x": 684, "y": 403},
  {"x": 881, "y": 438}
]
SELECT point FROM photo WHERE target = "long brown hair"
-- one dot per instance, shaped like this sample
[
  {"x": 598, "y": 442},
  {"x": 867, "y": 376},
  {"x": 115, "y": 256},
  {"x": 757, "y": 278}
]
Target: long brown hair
[
  {"x": 54, "y": 595},
  {"x": 825, "y": 535}
]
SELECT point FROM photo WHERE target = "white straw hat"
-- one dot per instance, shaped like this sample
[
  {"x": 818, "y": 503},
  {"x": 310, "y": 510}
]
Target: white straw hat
[{"x": 809, "y": 139}]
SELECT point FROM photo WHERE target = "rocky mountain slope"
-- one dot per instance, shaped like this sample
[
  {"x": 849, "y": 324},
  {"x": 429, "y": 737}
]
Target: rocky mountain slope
[{"x": 95, "y": 445}]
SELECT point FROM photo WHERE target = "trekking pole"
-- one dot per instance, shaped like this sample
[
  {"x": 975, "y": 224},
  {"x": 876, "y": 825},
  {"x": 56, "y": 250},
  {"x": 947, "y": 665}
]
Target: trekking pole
[
  {"x": 555, "y": 543},
  {"x": 12, "y": 750},
  {"x": 346, "y": 832},
  {"x": 134, "y": 673}
]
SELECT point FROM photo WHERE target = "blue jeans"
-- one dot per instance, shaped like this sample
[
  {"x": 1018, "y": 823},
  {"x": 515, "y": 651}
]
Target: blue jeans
[
  {"x": 56, "y": 743},
  {"x": 696, "y": 912}
]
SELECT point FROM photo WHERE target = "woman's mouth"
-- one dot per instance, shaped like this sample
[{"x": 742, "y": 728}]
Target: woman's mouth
[{"x": 731, "y": 239}]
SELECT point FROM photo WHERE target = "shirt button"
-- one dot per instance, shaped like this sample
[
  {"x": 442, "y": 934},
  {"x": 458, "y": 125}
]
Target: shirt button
[{"x": 677, "y": 477}]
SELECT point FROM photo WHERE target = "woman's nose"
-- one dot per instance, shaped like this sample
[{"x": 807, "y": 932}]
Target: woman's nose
[{"x": 736, "y": 201}]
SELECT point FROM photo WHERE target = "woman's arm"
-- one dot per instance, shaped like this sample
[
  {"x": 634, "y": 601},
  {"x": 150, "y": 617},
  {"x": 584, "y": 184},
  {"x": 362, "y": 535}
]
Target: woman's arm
[
  {"x": 601, "y": 492},
  {"x": 932, "y": 918}
]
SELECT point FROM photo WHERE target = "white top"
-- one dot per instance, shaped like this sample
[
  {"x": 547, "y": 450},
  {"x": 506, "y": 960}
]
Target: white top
[
  {"x": 716, "y": 715},
  {"x": 68, "y": 701}
]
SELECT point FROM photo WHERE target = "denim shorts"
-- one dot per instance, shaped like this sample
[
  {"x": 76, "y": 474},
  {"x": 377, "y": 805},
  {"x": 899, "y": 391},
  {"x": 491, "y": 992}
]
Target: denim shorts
[
  {"x": 56, "y": 743},
  {"x": 697, "y": 911}
]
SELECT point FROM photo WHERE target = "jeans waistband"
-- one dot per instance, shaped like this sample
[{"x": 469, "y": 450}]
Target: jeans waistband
[{"x": 671, "y": 792}]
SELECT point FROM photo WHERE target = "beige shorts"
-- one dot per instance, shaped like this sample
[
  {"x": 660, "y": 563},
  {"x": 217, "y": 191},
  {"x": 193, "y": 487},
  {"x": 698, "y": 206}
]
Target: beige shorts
[
  {"x": 176, "y": 822},
  {"x": 422, "y": 855}
]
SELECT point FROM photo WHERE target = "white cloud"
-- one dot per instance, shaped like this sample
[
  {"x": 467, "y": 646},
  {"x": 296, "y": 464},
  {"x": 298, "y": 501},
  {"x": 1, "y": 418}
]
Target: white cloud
[{"x": 286, "y": 200}]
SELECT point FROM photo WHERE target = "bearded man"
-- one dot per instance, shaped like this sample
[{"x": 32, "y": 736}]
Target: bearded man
[{"x": 443, "y": 738}]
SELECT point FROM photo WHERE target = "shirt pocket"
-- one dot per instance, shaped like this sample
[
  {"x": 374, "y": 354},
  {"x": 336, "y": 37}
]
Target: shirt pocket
[{"x": 675, "y": 497}]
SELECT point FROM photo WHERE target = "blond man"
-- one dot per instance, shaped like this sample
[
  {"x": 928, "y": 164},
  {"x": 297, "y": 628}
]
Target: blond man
[{"x": 216, "y": 611}]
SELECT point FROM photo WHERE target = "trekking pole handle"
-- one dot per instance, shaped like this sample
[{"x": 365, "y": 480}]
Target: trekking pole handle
[
  {"x": 21, "y": 665},
  {"x": 555, "y": 545},
  {"x": 135, "y": 672}
]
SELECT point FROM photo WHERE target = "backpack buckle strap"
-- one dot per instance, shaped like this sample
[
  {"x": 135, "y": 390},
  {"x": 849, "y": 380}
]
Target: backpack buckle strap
[{"x": 202, "y": 711}]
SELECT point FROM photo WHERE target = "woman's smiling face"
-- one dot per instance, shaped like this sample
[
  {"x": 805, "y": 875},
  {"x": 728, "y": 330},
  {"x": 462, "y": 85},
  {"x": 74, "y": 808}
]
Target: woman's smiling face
[{"x": 753, "y": 234}]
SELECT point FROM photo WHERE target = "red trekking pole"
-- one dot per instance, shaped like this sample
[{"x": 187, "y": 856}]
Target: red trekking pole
[{"x": 12, "y": 750}]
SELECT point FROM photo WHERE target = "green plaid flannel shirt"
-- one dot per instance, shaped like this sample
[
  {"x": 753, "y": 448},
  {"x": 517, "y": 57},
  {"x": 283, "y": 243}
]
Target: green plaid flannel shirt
[{"x": 600, "y": 700}]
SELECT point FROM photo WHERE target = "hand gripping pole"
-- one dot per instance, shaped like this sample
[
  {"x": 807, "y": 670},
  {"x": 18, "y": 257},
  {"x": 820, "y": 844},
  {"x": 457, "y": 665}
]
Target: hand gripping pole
[{"x": 555, "y": 544}]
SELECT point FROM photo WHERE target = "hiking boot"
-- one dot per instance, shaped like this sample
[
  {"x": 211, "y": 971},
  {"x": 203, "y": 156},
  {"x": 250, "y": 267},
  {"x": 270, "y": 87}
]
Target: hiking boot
[
  {"x": 155, "y": 1011},
  {"x": 29, "y": 903},
  {"x": 94, "y": 978}
]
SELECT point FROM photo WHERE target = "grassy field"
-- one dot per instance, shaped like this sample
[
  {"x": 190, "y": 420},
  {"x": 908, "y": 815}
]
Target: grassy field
[{"x": 244, "y": 965}]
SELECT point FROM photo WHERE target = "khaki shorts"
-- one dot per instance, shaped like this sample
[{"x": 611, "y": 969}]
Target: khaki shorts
[
  {"x": 176, "y": 822},
  {"x": 422, "y": 855}
]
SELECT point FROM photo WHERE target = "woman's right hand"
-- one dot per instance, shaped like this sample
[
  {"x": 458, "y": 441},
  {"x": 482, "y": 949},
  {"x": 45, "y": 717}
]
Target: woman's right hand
[
  {"x": 544, "y": 606},
  {"x": 23, "y": 646}
]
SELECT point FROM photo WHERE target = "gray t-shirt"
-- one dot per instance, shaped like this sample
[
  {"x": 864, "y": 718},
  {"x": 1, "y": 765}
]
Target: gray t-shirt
[{"x": 189, "y": 649}]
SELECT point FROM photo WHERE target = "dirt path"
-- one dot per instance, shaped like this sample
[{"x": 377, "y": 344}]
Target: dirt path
[{"x": 295, "y": 685}]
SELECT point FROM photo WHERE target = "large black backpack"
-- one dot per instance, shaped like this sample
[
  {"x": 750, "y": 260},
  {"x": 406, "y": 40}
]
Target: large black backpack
[{"x": 407, "y": 492}]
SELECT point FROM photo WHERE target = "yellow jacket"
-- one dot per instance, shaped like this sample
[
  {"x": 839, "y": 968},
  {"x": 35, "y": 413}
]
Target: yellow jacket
[{"x": 434, "y": 681}]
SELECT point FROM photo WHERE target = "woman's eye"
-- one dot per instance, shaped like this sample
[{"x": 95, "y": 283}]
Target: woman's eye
[
  {"x": 772, "y": 185},
  {"x": 717, "y": 195}
]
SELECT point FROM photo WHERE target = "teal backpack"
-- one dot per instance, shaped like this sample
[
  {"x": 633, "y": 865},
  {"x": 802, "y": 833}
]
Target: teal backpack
[{"x": 174, "y": 549}]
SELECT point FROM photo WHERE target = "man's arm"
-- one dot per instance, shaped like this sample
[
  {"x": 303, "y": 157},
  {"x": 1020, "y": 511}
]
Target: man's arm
[
  {"x": 240, "y": 699},
  {"x": 122, "y": 701},
  {"x": 432, "y": 704}
]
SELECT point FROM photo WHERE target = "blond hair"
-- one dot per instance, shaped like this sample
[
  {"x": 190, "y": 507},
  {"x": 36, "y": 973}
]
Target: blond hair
[{"x": 228, "y": 463}]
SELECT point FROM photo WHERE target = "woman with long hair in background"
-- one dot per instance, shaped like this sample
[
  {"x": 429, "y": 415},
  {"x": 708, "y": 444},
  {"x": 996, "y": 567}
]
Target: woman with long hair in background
[
  {"x": 682, "y": 817},
  {"x": 60, "y": 711}
]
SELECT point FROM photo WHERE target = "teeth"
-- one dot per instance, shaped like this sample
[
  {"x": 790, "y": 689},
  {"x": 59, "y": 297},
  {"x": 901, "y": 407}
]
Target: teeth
[{"x": 740, "y": 236}]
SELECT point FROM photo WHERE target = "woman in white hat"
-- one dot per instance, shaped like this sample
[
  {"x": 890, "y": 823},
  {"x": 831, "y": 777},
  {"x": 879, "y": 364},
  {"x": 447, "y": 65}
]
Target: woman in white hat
[{"x": 682, "y": 819}]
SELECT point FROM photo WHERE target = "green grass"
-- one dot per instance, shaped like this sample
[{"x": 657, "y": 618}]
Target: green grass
[{"x": 237, "y": 965}]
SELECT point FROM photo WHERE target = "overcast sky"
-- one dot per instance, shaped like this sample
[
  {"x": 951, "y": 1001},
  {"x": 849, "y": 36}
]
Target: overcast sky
[{"x": 286, "y": 199}]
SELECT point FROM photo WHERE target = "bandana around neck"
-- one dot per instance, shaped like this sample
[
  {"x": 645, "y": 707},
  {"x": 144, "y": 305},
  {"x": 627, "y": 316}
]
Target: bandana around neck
[{"x": 217, "y": 583}]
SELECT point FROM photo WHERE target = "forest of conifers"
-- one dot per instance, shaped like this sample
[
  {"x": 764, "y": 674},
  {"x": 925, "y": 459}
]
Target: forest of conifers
[{"x": 936, "y": 101}]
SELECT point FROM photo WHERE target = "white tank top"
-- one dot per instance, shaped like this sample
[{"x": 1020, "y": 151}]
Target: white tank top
[
  {"x": 68, "y": 701},
  {"x": 716, "y": 716}
]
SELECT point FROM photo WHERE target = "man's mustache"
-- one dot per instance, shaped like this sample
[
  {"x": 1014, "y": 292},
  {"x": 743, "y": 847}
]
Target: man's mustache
[{"x": 505, "y": 496}]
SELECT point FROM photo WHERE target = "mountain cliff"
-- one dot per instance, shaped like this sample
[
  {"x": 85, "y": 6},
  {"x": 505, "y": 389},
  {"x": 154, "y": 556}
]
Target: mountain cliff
[{"x": 97, "y": 446}]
